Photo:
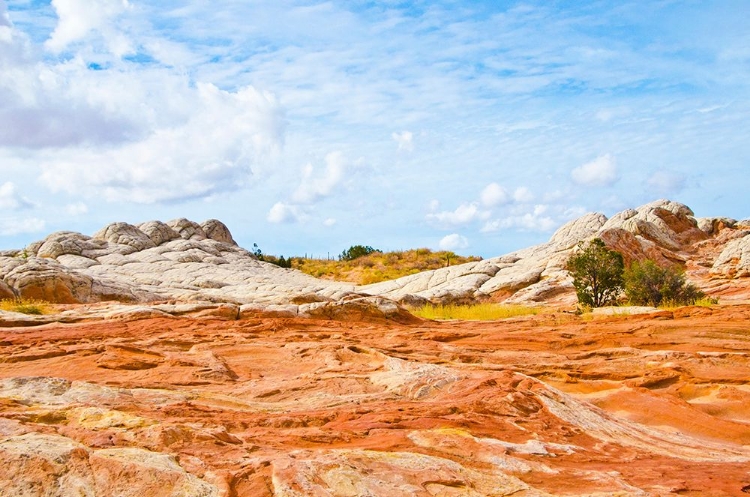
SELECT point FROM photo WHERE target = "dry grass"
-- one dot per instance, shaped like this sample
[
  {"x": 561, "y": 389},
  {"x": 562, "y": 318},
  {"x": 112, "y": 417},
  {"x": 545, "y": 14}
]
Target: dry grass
[
  {"x": 474, "y": 312},
  {"x": 25, "y": 306},
  {"x": 379, "y": 266},
  {"x": 702, "y": 302}
]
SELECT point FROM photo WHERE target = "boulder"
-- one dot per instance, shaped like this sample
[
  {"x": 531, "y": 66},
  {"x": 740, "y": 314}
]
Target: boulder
[
  {"x": 734, "y": 260},
  {"x": 158, "y": 232},
  {"x": 125, "y": 234},
  {"x": 216, "y": 230},
  {"x": 188, "y": 230},
  {"x": 65, "y": 242},
  {"x": 48, "y": 280}
]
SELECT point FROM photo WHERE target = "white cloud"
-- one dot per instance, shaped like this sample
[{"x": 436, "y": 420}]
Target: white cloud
[
  {"x": 312, "y": 189},
  {"x": 10, "y": 199},
  {"x": 494, "y": 194},
  {"x": 665, "y": 182},
  {"x": 78, "y": 18},
  {"x": 523, "y": 195},
  {"x": 4, "y": 19},
  {"x": 405, "y": 140},
  {"x": 602, "y": 171},
  {"x": 464, "y": 214},
  {"x": 225, "y": 137},
  {"x": 76, "y": 209},
  {"x": 453, "y": 242},
  {"x": 329, "y": 222},
  {"x": 124, "y": 128},
  {"x": 10, "y": 227},
  {"x": 536, "y": 219},
  {"x": 284, "y": 213}
]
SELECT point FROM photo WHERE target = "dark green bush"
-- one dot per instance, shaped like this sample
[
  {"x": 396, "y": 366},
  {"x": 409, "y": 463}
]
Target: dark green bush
[
  {"x": 356, "y": 251},
  {"x": 597, "y": 274},
  {"x": 647, "y": 283}
]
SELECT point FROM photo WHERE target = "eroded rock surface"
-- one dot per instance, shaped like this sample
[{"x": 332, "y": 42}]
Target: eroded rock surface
[{"x": 554, "y": 404}]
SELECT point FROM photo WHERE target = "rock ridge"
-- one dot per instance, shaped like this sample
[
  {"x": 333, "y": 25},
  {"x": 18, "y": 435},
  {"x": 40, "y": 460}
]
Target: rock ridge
[{"x": 186, "y": 261}]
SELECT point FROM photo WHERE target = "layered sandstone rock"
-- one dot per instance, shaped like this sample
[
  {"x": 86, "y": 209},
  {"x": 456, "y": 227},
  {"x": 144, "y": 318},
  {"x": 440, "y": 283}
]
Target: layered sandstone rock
[{"x": 554, "y": 404}]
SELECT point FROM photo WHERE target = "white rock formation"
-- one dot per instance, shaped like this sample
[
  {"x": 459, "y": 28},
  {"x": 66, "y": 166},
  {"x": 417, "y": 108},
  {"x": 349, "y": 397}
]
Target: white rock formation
[{"x": 186, "y": 261}]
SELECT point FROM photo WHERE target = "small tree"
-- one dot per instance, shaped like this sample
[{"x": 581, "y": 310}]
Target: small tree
[
  {"x": 597, "y": 273},
  {"x": 646, "y": 283},
  {"x": 257, "y": 252},
  {"x": 356, "y": 251}
]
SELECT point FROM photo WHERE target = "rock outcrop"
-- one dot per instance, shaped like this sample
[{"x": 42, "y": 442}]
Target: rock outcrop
[
  {"x": 553, "y": 404},
  {"x": 155, "y": 261},
  {"x": 186, "y": 261},
  {"x": 664, "y": 231}
]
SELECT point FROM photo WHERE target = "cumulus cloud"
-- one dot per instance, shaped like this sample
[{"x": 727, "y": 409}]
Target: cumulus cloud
[
  {"x": 284, "y": 213},
  {"x": 464, "y": 214},
  {"x": 537, "y": 219},
  {"x": 665, "y": 182},
  {"x": 329, "y": 222},
  {"x": 405, "y": 140},
  {"x": 602, "y": 171},
  {"x": 453, "y": 242},
  {"x": 78, "y": 18},
  {"x": 494, "y": 194},
  {"x": 10, "y": 199},
  {"x": 313, "y": 188},
  {"x": 213, "y": 151},
  {"x": 58, "y": 105},
  {"x": 13, "y": 226}
]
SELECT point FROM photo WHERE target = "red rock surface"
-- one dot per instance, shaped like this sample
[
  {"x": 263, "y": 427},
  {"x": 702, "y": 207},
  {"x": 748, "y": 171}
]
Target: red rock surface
[{"x": 654, "y": 404}]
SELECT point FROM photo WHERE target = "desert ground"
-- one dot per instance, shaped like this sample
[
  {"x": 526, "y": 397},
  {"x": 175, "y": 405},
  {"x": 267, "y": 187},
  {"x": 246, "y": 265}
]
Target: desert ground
[{"x": 551, "y": 404}]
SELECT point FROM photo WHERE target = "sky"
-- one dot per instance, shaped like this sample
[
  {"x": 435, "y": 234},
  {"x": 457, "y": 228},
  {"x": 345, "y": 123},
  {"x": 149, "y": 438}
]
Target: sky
[{"x": 310, "y": 126}]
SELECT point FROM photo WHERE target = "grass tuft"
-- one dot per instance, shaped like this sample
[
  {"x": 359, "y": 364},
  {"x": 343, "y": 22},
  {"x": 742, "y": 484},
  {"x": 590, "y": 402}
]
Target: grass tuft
[
  {"x": 474, "y": 312},
  {"x": 701, "y": 302},
  {"x": 25, "y": 306}
]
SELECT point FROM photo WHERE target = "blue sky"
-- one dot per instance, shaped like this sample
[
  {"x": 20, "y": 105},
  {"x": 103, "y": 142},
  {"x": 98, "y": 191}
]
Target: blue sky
[{"x": 311, "y": 126}]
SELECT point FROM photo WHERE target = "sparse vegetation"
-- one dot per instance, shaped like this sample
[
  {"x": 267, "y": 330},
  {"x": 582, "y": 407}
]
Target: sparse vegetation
[
  {"x": 25, "y": 306},
  {"x": 597, "y": 274},
  {"x": 474, "y": 312},
  {"x": 280, "y": 261},
  {"x": 647, "y": 283},
  {"x": 378, "y": 266}
]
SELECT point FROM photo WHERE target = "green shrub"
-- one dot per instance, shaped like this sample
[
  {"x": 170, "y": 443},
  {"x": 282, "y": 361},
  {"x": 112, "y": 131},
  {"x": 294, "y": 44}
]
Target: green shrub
[
  {"x": 356, "y": 251},
  {"x": 597, "y": 274},
  {"x": 647, "y": 283}
]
